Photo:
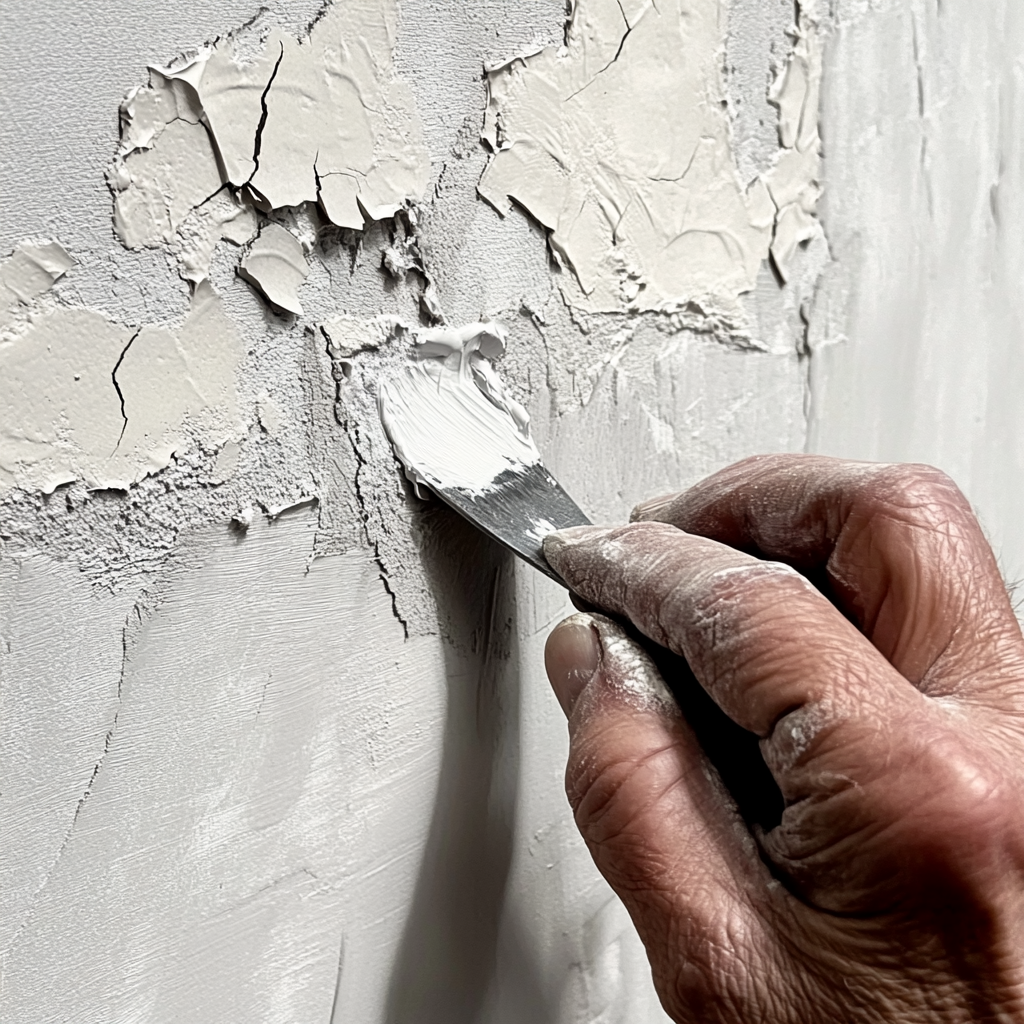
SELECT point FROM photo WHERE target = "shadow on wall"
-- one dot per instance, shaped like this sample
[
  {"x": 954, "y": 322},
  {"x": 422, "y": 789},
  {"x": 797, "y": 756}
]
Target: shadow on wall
[{"x": 447, "y": 958}]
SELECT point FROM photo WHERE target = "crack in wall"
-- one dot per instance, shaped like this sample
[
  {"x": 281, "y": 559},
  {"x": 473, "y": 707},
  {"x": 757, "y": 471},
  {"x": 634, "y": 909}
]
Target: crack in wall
[
  {"x": 352, "y": 432},
  {"x": 132, "y": 622},
  {"x": 257, "y": 144},
  {"x": 117, "y": 387},
  {"x": 618, "y": 52}
]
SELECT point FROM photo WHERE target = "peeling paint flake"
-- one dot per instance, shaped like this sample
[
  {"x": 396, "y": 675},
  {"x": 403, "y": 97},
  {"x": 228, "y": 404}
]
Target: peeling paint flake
[
  {"x": 319, "y": 119},
  {"x": 276, "y": 265},
  {"x": 618, "y": 143},
  {"x": 30, "y": 271},
  {"x": 84, "y": 398}
]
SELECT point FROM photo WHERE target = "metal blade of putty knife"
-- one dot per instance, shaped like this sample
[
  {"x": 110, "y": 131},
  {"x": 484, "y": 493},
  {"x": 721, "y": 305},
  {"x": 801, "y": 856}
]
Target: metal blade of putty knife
[{"x": 519, "y": 510}]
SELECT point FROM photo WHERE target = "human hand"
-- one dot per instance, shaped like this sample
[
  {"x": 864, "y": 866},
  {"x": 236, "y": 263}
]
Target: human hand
[{"x": 890, "y": 712}]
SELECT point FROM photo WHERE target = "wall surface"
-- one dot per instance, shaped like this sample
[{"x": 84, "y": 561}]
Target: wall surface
[{"x": 275, "y": 739}]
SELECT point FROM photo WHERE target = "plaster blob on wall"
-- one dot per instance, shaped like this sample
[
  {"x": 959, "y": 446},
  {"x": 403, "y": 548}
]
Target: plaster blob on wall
[
  {"x": 618, "y": 143},
  {"x": 84, "y": 398},
  {"x": 319, "y": 119},
  {"x": 30, "y": 271},
  {"x": 276, "y": 265},
  {"x": 448, "y": 414}
]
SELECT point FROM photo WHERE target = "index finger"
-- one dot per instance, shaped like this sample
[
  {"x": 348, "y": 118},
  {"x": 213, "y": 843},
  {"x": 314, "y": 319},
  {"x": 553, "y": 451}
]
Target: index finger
[{"x": 896, "y": 547}]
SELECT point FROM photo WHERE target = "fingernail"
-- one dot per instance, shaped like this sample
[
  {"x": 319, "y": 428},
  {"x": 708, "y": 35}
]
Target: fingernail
[
  {"x": 652, "y": 507},
  {"x": 571, "y": 657}
]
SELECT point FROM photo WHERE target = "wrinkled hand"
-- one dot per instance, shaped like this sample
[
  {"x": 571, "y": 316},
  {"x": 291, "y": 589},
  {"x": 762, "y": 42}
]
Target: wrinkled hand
[{"x": 889, "y": 702}]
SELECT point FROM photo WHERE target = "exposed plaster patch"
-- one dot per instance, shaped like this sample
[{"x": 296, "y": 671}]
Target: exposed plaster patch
[
  {"x": 30, "y": 271},
  {"x": 84, "y": 398},
  {"x": 618, "y": 143},
  {"x": 276, "y": 265}
]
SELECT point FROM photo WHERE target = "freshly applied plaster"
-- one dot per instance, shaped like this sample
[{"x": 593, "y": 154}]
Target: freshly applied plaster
[
  {"x": 618, "y": 143},
  {"x": 447, "y": 414}
]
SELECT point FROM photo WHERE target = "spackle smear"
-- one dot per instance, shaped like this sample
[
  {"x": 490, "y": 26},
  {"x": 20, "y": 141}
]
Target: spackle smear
[{"x": 448, "y": 416}]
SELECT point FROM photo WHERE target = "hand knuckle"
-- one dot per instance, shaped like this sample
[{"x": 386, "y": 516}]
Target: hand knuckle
[{"x": 918, "y": 493}]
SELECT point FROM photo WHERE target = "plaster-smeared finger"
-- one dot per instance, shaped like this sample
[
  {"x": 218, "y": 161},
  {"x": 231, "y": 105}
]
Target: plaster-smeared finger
[
  {"x": 659, "y": 825},
  {"x": 899, "y": 545},
  {"x": 761, "y": 640}
]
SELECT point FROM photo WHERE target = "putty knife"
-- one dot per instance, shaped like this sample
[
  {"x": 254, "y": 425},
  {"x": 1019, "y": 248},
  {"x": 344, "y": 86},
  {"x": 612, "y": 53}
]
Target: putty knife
[{"x": 519, "y": 510}]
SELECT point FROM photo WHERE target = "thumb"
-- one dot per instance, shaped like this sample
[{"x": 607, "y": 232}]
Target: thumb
[{"x": 659, "y": 824}]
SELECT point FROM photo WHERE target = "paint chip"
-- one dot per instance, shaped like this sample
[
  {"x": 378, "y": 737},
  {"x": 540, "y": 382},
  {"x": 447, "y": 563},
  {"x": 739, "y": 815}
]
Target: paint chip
[
  {"x": 276, "y": 265},
  {"x": 30, "y": 271}
]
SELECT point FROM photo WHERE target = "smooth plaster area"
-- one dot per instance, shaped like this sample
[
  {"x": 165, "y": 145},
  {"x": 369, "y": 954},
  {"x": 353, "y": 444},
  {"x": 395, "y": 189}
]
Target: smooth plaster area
[{"x": 275, "y": 738}]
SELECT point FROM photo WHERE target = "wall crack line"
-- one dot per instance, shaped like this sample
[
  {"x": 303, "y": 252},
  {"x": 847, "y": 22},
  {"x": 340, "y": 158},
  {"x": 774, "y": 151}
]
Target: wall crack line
[
  {"x": 117, "y": 387},
  {"x": 83, "y": 799},
  {"x": 258, "y": 141}
]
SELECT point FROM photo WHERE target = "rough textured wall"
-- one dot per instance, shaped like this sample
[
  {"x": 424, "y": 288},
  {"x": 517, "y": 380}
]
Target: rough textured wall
[{"x": 276, "y": 739}]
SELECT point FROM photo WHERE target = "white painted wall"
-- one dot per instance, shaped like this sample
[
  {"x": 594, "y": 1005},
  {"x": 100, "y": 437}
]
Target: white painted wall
[{"x": 312, "y": 770}]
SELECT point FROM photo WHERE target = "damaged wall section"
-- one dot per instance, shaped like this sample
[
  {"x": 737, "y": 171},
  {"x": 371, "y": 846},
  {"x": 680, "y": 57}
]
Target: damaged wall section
[
  {"x": 619, "y": 144},
  {"x": 276, "y": 121},
  {"x": 84, "y": 398}
]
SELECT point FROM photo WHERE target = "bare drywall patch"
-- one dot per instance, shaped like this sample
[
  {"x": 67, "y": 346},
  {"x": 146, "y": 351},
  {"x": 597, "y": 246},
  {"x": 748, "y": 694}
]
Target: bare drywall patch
[
  {"x": 84, "y": 398},
  {"x": 618, "y": 143}
]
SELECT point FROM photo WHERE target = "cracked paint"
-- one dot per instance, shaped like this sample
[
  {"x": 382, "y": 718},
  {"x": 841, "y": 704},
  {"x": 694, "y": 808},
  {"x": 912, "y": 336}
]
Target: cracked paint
[
  {"x": 618, "y": 143},
  {"x": 115, "y": 406},
  {"x": 320, "y": 119}
]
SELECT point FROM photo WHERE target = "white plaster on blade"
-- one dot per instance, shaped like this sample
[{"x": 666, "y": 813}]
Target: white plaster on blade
[
  {"x": 276, "y": 265},
  {"x": 84, "y": 398},
  {"x": 618, "y": 143},
  {"x": 449, "y": 417}
]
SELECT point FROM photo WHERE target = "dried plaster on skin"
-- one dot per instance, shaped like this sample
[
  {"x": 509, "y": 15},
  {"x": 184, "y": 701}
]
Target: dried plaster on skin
[
  {"x": 274, "y": 122},
  {"x": 621, "y": 149},
  {"x": 83, "y": 398}
]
